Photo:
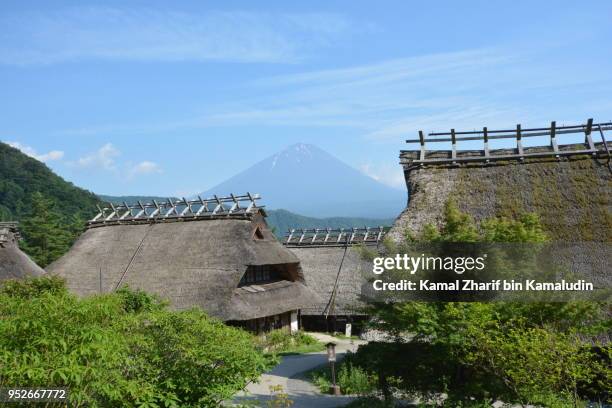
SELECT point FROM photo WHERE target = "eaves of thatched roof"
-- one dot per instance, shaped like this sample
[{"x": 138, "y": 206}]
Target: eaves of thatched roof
[
  {"x": 189, "y": 263},
  {"x": 14, "y": 264},
  {"x": 321, "y": 268}
]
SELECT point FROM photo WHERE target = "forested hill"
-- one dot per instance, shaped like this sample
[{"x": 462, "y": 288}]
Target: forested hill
[
  {"x": 21, "y": 176},
  {"x": 51, "y": 211}
]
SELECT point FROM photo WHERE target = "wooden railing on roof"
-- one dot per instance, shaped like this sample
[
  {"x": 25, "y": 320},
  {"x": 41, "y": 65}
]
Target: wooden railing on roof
[
  {"x": 172, "y": 210},
  {"x": 304, "y": 237},
  {"x": 553, "y": 148}
]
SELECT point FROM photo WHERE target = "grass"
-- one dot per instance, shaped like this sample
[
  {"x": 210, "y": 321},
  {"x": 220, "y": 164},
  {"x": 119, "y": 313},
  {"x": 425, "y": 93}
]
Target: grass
[
  {"x": 282, "y": 343},
  {"x": 303, "y": 349}
]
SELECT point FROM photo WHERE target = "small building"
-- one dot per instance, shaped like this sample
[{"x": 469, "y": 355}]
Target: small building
[
  {"x": 335, "y": 268},
  {"x": 14, "y": 264},
  {"x": 217, "y": 254}
]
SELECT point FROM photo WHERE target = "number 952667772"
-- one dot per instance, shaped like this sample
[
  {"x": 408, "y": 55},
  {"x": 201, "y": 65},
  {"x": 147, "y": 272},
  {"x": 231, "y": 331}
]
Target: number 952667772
[{"x": 21, "y": 394}]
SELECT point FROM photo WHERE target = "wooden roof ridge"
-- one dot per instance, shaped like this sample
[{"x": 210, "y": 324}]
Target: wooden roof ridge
[
  {"x": 553, "y": 148},
  {"x": 315, "y": 237},
  {"x": 216, "y": 207}
]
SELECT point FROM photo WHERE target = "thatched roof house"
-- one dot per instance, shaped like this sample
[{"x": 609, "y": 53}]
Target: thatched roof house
[
  {"x": 14, "y": 264},
  {"x": 223, "y": 259},
  {"x": 334, "y": 267}
]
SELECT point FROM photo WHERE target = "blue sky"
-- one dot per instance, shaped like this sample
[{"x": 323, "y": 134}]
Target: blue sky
[{"x": 171, "y": 98}]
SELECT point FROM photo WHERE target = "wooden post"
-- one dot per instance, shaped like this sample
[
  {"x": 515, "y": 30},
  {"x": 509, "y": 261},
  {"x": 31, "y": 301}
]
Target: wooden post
[
  {"x": 553, "y": 138},
  {"x": 454, "y": 146},
  {"x": 314, "y": 236},
  {"x": 291, "y": 231},
  {"x": 519, "y": 143},
  {"x": 485, "y": 134},
  {"x": 587, "y": 135},
  {"x": 422, "y": 141},
  {"x": 327, "y": 231}
]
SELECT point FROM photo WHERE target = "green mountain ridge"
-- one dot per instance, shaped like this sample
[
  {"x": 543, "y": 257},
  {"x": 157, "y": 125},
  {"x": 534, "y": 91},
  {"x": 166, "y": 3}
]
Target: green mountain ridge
[
  {"x": 282, "y": 221},
  {"x": 21, "y": 176}
]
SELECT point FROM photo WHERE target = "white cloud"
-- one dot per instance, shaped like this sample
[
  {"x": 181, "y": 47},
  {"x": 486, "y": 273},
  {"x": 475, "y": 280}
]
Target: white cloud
[
  {"x": 392, "y": 176},
  {"x": 147, "y": 34},
  {"x": 45, "y": 157},
  {"x": 145, "y": 167},
  {"x": 103, "y": 158},
  {"x": 390, "y": 100}
]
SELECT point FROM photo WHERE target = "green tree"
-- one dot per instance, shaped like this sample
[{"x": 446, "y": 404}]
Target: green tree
[
  {"x": 124, "y": 349},
  {"x": 46, "y": 234},
  {"x": 529, "y": 352}
]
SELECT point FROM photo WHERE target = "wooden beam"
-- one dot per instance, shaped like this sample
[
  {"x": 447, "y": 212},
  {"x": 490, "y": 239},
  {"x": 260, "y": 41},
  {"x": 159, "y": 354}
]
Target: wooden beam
[
  {"x": 485, "y": 134},
  {"x": 454, "y": 144},
  {"x": 519, "y": 143},
  {"x": 553, "y": 138},
  {"x": 587, "y": 134},
  {"x": 422, "y": 141}
]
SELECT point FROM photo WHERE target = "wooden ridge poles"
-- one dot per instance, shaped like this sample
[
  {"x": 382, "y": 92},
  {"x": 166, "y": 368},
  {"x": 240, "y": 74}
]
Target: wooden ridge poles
[{"x": 553, "y": 148}]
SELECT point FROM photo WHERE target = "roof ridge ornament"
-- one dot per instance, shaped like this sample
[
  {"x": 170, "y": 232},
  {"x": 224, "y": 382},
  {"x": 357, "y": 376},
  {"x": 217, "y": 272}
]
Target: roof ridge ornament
[
  {"x": 179, "y": 209},
  {"x": 333, "y": 237}
]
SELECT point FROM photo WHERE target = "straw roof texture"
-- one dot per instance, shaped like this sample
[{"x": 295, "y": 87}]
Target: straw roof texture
[
  {"x": 190, "y": 263},
  {"x": 14, "y": 264},
  {"x": 321, "y": 265}
]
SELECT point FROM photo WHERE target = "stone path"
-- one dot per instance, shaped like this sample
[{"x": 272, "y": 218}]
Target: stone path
[{"x": 289, "y": 372}]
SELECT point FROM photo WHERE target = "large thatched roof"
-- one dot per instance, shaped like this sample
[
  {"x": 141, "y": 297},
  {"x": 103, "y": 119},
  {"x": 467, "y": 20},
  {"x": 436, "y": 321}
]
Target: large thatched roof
[
  {"x": 321, "y": 266},
  {"x": 197, "y": 262},
  {"x": 14, "y": 264}
]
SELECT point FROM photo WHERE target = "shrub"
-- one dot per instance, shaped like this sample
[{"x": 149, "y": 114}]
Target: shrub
[
  {"x": 354, "y": 380},
  {"x": 351, "y": 378},
  {"x": 122, "y": 349},
  {"x": 527, "y": 352},
  {"x": 33, "y": 287},
  {"x": 281, "y": 341}
]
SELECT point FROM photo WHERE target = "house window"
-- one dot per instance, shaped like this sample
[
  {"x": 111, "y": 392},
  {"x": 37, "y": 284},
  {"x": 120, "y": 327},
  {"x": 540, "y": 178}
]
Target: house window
[{"x": 259, "y": 273}]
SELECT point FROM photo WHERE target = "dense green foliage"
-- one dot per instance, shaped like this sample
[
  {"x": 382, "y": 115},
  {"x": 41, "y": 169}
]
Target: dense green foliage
[
  {"x": 48, "y": 235},
  {"x": 21, "y": 176},
  {"x": 352, "y": 379},
  {"x": 120, "y": 350},
  {"x": 51, "y": 210},
  {"x": 540, "y": 353}
]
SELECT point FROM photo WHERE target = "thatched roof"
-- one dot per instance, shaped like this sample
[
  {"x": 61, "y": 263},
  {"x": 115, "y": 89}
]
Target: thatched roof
[
  {"x": 321, "y": 266},
  {"x": 191, "y": 263},
  {"x": 14, "y": 264}
]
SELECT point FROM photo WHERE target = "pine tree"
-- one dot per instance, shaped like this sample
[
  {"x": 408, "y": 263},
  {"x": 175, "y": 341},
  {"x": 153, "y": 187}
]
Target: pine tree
[{"x": 46, "y": 235}]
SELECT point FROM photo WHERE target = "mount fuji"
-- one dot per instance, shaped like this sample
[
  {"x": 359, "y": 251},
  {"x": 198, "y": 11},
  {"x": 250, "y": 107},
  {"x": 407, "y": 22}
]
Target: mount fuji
[{"x": 307, "y": 180}]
